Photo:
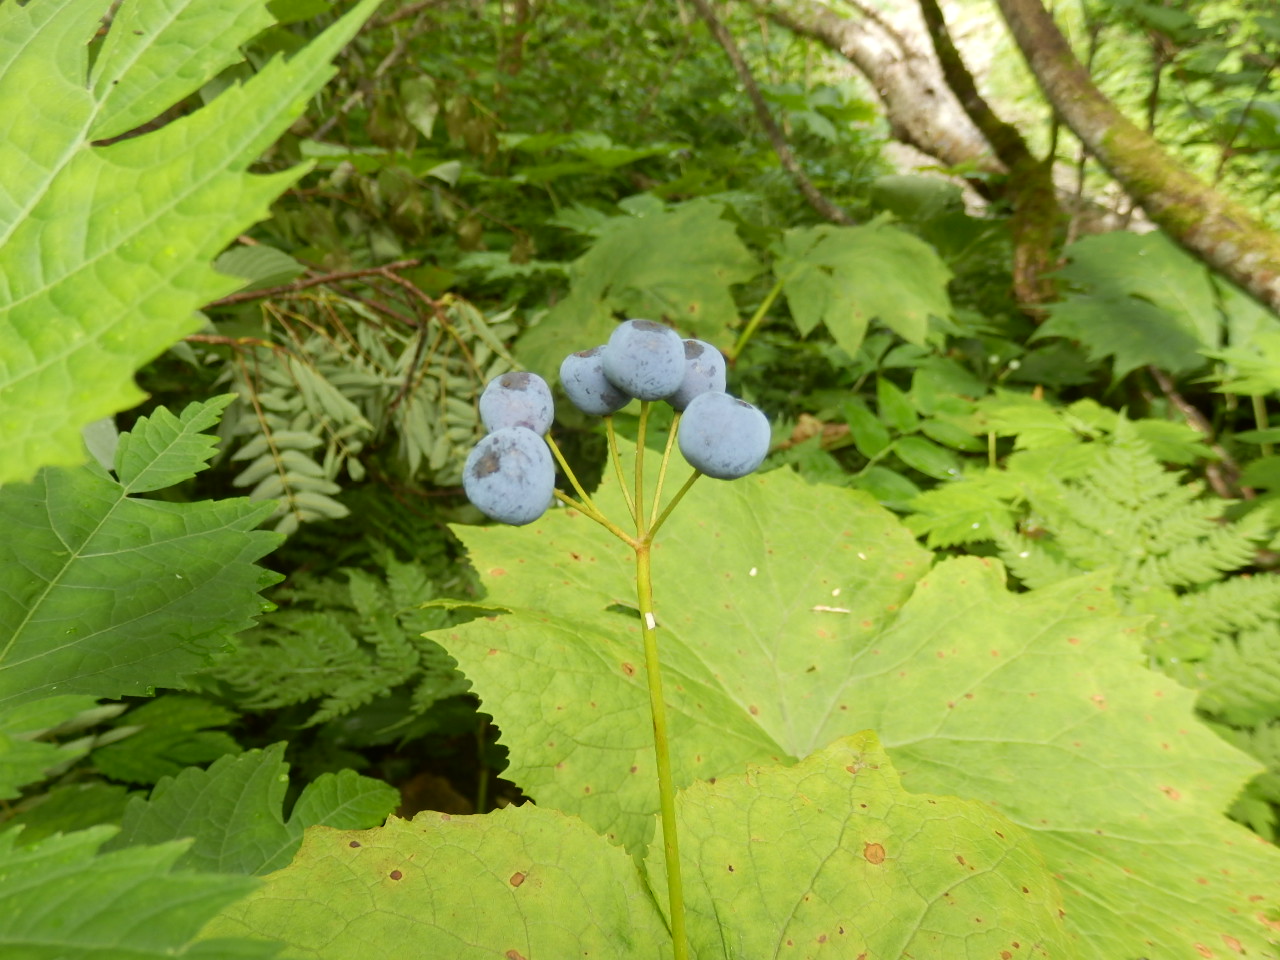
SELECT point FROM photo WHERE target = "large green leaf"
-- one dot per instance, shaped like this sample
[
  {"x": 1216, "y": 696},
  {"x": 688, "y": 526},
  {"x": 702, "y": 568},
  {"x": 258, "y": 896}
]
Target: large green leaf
[
  {"x": 1141, "y": 300},
  {"x": 791, "y": 615},
  {"x": 58, "y": 901},
  {"x": 524, "y": 882},
  {"x": 845, "y": 277},
  {"x": 675, "y": 265},
  {"x": 105, "y": 248},
  {"x": 106, "y": 594},
  {"x": 233, "y": 810},
  {"x": 830, "y": 857}
]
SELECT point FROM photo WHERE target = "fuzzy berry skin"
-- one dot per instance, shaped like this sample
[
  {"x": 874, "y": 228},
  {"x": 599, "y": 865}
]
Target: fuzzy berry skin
[
  {"x": 644, "y": 359},
  {"x": 722, "y": 436},
  {"x": 517, "y": 399},
  {"x": 586, "y": 386},
  {"x": 704, "y": 372},
  {"x": 510, "y": 476}
]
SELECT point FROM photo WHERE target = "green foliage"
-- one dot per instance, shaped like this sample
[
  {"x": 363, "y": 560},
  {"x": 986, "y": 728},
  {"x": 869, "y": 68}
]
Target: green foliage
[
  {"x": 106, "y": 240},
  {"x": 233, "y": 809},
  {"x": 102, "y": 592},
  {"x": 59, "y": 900},
  {"x": 800, "y": 630},
  {"x": 845, "y": 277},
  {"x": 164, "y": 736},
  {"x": 930, "y": 876},
  {"x": 346, "y": 641},
  {"x": 662, "y": 264}
]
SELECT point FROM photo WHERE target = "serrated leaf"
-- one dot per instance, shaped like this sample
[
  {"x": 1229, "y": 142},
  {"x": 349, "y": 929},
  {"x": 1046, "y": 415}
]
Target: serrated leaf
[
  {"x": 24, "y": 758},
  {"x": 1141, "y": 301},
  {"x": 895, "y": 407},
  {"x": 233, "y": 810},
  {"x": 163, "y": 450},
  {"x": 831, "y": 856},
  {"x": 262, "y": 266},
  {"x": 69, "y": 808},
  {"x": 106, "y": 594},
  {"x": 845, "y": 277},
  {"x": 106, "y": 249},
  {"x": 674, "y": 266},
  {"x": 1033, "y": 702},
  {"x": 170, "y": 733},
  {"x": 59, "y": 900}
]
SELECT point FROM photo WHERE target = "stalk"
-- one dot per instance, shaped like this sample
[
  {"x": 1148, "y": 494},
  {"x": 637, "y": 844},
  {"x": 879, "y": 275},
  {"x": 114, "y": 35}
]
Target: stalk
[
  {"x": 1260, "y": 419},
  {"x": 755, "y": 321},
  {"x": 617, "y": 465},
  {"x": 666, "y": 786}
]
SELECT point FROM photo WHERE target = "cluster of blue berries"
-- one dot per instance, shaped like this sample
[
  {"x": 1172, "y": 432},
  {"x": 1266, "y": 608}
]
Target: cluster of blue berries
[{"x": 510, "y": 475}]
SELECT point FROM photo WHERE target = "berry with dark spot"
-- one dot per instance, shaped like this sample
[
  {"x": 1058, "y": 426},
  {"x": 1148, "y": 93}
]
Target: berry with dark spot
[
  {"x": 517, "y": 399},
  {"x": 586, "y": 386},
  {"x": 510, "y": 476},
  {"x": 704, "y": 372}
]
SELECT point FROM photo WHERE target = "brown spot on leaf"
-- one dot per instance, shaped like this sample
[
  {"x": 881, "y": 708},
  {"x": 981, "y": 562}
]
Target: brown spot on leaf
[
  {"x": 1233, "y": 944},
  {"x": 354, "y": 843},
  {"x": 1203, "y": 950},
  {"x": 1100, "y": 700},
  {"x": 1171, "y": 793},
  {"x": 517, "y": 879},
  {"x": 629, "y": 669},
  {"x": 1203, "y": 881},
  {"x": 874, "y": 853},
  {"x": 1074, "y": 641},
  {"x": 754, "y": 710},
  {"x": 1005, "y": 955},
  {"x": 395, "y": 874},
  {"x": 634, "y": 769},
  {"x": 515, "y": 955},
  {"x": 497, "y": 572}
]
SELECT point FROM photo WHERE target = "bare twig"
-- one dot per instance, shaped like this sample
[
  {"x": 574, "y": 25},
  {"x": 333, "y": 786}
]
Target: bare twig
[
  {"x": 1224, "y": 479},
  {"x": 825, "y": 208},
  {"x": 319, "y": 280}
]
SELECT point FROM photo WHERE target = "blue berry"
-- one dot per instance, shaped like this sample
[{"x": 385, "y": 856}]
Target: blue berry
[
  {"x": 586, "y": 386},
  {"x": 644, "y": 359},
  {"x": 510, "y": 475},
  {"x": 517, "y": 400},
  {"x": 722, "y": 436},
  {"x": 703, "y": 373}
]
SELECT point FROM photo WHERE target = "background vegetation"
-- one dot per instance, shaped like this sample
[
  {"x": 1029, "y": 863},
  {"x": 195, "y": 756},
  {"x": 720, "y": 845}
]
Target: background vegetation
[{"x": 1001, "y": 350}]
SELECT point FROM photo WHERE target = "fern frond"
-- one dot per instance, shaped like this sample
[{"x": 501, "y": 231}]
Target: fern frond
[
  {"x": 1240, "y": 681},
  {"x": 1033, "y": 562}
]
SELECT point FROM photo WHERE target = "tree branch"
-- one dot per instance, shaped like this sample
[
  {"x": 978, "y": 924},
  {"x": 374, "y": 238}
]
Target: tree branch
[
  {"x": 1208, "y": 224},
  {"x": 1036, "y": 213},
  {"x": 825, "y": 208},
  {"x": 920, "y": 107}
]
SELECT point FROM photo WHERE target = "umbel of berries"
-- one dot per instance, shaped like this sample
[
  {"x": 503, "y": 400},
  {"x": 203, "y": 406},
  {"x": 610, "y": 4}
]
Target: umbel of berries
[{"x": 510, "y": 475}]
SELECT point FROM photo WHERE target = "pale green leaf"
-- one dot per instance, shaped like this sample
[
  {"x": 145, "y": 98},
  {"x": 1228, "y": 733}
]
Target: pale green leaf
[
  {"x": 163, "y": 450},
  {"x": 791, "y": 615},
  {"x": 830, "y": 857},
  {"x": 833, "y": 858},
  {"x": 521, "y": 882},
  {"x": 106, "y": 248}
]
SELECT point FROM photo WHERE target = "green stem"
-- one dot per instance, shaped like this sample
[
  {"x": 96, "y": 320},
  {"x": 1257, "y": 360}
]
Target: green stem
[
  {"x": 598, "y": 517},
  {"x": 666, "y": 458},
  {"x": 642, "y": 521},
  {"x": 617, "y": 465},
  {"x": 756, "y": 319},
  {"x": 991, "y": 449},
  {"x": 672, "y": 505},
  {"x": 666, "y": 786},
  {"x": 1260, "y": 418},
  {"x": 573, "y": 478}
]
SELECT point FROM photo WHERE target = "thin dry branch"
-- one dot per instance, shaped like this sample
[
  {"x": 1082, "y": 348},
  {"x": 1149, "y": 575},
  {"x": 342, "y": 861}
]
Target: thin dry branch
[{"x": 825, "y": 208}]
